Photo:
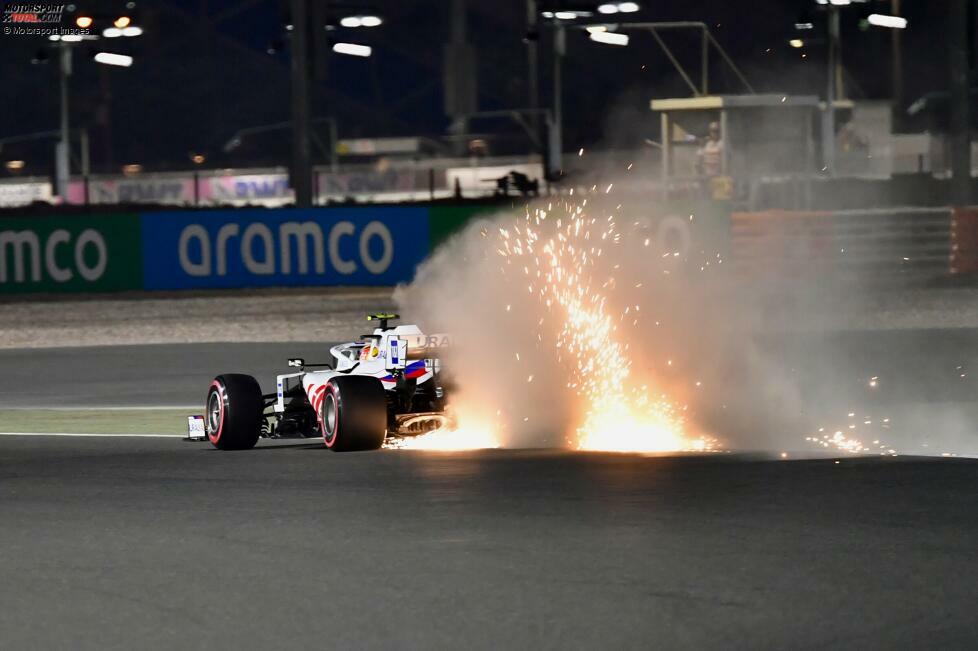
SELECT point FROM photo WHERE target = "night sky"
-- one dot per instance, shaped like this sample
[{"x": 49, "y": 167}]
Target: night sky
[{"x": 198, "y": 79}]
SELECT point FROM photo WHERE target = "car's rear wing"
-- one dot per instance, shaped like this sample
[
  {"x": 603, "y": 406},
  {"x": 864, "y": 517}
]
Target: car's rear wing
[{"x": 427, "y": 346}]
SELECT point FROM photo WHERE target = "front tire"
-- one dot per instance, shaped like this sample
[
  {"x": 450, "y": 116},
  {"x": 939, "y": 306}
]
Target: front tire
[
  {"x": 353, "y": 414},
  {"x": 234, "y": 412}
]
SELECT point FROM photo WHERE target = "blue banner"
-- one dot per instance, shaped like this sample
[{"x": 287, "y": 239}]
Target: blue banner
[{"x": 292, "y": 247}]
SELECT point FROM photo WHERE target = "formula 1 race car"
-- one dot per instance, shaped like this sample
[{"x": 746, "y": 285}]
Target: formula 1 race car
[{"x": 389, "y": 384}]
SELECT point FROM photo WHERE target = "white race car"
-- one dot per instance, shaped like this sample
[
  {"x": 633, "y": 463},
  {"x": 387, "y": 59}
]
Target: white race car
[{"x": 387, "y": 384}]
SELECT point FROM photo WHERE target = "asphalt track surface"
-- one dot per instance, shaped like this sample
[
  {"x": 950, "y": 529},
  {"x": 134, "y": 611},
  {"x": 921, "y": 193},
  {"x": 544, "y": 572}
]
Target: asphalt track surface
[
  {"x": 920, "y": 365},
  {"x": 159, "y": 543},
  {"x": 120, "y": 543},
  {"x": 139, "y": 376}
]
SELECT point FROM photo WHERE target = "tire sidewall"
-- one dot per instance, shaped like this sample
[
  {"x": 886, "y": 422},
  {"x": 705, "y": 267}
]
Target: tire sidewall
[
  {"x": 361, "y": 414},
  {"x": 334, "y": 394},
  {"x": 217, "y": 387},
  {"x": 239, "y": 414}
]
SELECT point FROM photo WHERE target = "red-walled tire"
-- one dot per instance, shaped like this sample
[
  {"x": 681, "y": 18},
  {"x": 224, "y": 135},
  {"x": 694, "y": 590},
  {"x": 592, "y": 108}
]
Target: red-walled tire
[
  {"x": 354, "y": 414},
  {"x": 234, "y": 412}
]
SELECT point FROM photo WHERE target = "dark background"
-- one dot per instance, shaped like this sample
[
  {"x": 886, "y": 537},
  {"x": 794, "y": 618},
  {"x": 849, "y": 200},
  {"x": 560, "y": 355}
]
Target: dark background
[{"x": 203, "y": 70}]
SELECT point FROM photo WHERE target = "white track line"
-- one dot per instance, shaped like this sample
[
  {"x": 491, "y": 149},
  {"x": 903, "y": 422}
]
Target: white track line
[{"x": 148, "y": 436}]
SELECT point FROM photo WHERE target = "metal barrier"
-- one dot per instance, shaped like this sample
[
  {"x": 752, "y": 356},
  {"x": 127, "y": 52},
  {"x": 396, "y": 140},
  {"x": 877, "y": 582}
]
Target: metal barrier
[{"x": 908, "y": 244}]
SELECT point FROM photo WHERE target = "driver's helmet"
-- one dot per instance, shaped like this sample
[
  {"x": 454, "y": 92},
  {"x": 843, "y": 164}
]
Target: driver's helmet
[{"x": 368, "y": 352}]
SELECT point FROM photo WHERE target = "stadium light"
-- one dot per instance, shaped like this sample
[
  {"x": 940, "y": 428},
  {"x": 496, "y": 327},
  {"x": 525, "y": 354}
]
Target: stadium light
[
  {"x": 882, "y": 20},
  {"x": 615, "y": 7},
  {"x": 609, "y": 38},
  {"x": 15, "y": 165},
  {"x": 568, "y": 13},
  {"x": 71, "y": 38},
  {"x": 353, "y": 49},
  {"x": 122, "y": 22},
  {"x": 84, "y": 21},
  {"x": 113, "y": 59},
  {"x": 116, "y": 32},
  {"x": 796, "y": 43},
  {"x": 353, "y": 22}
]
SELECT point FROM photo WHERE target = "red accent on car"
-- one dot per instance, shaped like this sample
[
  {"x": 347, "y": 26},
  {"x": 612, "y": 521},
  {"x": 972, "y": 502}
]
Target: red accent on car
[{"x": 322, "y": 425}]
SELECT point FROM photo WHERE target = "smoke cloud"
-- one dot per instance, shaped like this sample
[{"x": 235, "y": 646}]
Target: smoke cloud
[{"x": 757, "y": 363}]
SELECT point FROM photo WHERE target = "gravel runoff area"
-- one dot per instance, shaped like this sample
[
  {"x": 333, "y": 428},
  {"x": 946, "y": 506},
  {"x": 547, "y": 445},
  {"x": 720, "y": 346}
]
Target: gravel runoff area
[{"x": 336, "y": 314}]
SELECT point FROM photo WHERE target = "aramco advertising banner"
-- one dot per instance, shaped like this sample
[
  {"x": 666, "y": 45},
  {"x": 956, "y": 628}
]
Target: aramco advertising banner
[
  {"x": 283, "y": 248},
  {"x": 94, "y": 253},
  {"x": 199, "y": 249}
]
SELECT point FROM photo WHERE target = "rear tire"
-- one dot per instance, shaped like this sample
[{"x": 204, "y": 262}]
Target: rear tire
[
  {"x": 353, "y": 414},
  {"x": 234, "y": 412}
]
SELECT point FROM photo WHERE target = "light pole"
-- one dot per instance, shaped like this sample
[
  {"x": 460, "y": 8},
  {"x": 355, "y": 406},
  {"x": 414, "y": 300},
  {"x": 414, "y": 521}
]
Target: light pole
[
  {"x": 828, "y": 117},
  {"x": 302, "y": 28},
  {"x": 62, "y": 152},
  {"x": 62, "y": 165},
  {"x": 532, "y": 67},
  {"x": 301, "y": 172},
  {"x": 460, "y": 84},
  {"x": 960, "y": 131},
  {"x": 897, "y": 58},
  {"x": 557, "y": 133}
]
